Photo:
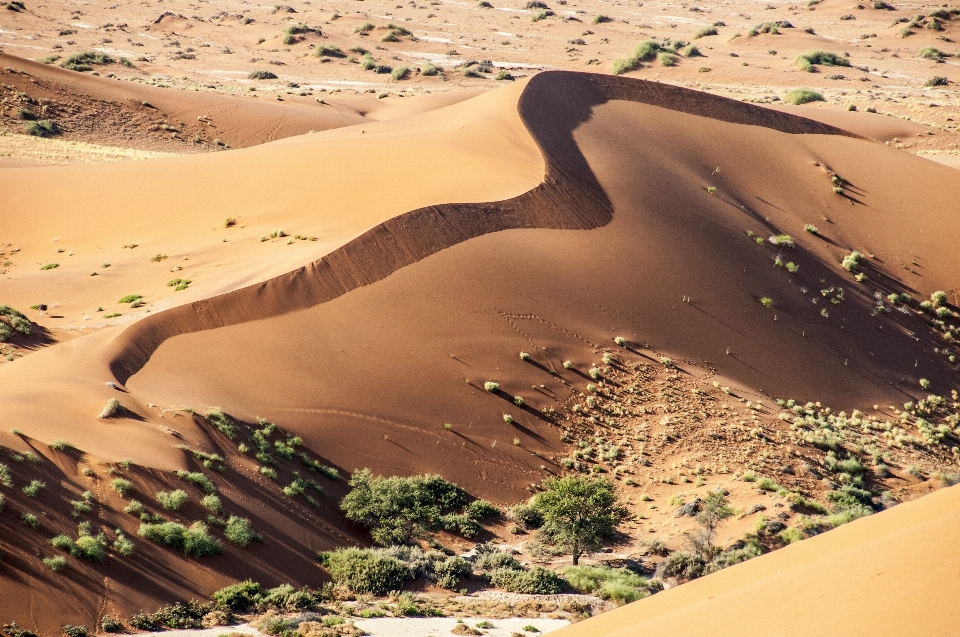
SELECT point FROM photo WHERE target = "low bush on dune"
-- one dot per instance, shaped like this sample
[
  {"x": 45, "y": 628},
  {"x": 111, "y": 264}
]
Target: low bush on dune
[
  {"x": 329, "y": 50},
  {"x": 702, "y": 33},
  {"x": 262, "y": 75},
  {"x": 366, "y": 571},
  {"x": 625, "y": 65},
  {"x": 41, "y": 128},
  {"x": 617, "y": 584},
  {"x": 811, "y": 59},
  {"x": 396, "y": 510},
  {"x": 800, "y": 96},
  {"x": 195, "y": 540},
  {"x": 172, "y": 500},
  {"x": 13, "y": 322},
  {"x": 239, "y": 531},
  {"x": 536, "y": 581},
  {"x": 83, "y": 61},
  {"x": 430, "y": 69}
]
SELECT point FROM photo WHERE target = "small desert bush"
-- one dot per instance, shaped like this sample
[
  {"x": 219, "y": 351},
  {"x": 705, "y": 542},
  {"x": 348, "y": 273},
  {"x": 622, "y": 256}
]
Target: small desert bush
[
  {"x": 800, "y": 96},
  {"x": 173, "y": 500},
  {"x": 83, "y": 61},
  {"x": 702, "y": 33},
  {"x": 194, "y": 540},
  {"x": 221, "y": 421},
  {"x": 809, "y": 60},
  {"x": 238, "y": 597},
  {"x": 55, "y": 564},
  {"x": 625, "y": 65},
  {"x": 430, "y": 69},
  {"x": 617, "y": 584},
  {"x": 41, "y": 128},
  {"x": 112, "y": 409},
  {"x": 329, "y": 50},
  {"x": 31, "y": 490},
  {"x": 239, "y": 531},
  {"x": 198, "y": 479},
  {"x": 262, "y": 75},
  {"x": 365, "y": 571},
  {"x": 122, "y": 487},
  {"x": 11, "y": 321},
  {"x": 400, "y": 73},
  {"x": 536, "y": 581}
]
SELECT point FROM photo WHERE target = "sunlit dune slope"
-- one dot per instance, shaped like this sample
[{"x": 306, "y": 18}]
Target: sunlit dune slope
[
  {"x": 328, "y": 186},
  {"x": 547, "y": 218},
  {"x": 896, "y": 573}
]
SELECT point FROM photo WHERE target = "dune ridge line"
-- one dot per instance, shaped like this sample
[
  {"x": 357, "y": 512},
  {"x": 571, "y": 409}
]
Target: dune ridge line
[{"x": 551, "y": 106}]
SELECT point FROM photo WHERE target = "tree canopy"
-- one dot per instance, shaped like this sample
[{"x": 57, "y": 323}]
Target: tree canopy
[{"x": 580, "y": 514}]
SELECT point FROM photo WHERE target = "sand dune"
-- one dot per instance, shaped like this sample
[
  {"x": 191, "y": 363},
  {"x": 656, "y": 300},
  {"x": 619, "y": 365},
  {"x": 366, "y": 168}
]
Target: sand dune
[
  {"x": 549, "y": 218},
  {"x": 845, "y": 578}
]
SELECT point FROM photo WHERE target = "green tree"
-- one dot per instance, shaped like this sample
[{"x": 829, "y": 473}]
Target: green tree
[
  {"x": 579, "y": 513},
  {"x": 714, "y": 511}
]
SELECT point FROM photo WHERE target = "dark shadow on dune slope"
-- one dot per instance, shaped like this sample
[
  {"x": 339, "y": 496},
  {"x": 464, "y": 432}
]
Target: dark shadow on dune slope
[{"x": 570, "y": 197}]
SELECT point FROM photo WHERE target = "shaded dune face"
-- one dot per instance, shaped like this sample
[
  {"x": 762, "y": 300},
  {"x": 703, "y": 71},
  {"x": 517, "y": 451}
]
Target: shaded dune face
[{"x": 370, "y": 347}]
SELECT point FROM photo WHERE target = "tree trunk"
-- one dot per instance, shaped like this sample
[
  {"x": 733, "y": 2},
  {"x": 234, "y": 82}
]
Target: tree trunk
[{"x": 576, "y": 557}]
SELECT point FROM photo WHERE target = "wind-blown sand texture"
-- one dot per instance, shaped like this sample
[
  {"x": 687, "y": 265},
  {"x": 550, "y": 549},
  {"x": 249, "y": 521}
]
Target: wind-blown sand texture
[{"x": 547, "y": 217}]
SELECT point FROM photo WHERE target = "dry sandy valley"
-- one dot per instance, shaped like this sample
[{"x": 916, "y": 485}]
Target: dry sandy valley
[{"x": 589, "y": 318}]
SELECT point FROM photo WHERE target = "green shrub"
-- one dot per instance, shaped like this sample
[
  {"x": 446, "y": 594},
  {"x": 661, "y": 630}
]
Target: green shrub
[
  {"x": 5, "y": 478},
  {"x": 937, "y": 80},
  {"x": 702, "y": 33},
  {"x": 809, "y": 60},
  {"x": 16, "y": 320},
  {"x": 400, "y": 73},
  {"x": 848, "y": 498},
  {"x": 123, "y": 545},
  {"x": 800, "y": 96},
  {"x": 365, "y": 571},
  {"x": 430, "y": 69},
  {"x": 618, "y": 584},
  {"x": 397, "y": 509},
  {"x": 453, "y": 569},
  {"x": 646, "y": 51},
  {"x": 238, "y": 597},
  {"x": 55, "y": 564},
  {"x": 197, "y": 542},
  {"x": 91, "y": 548},
  {"x": 262, "y": 75},
  {"x": 481, "y": 509},
  {"x": 110, "y": 625},
  {"x": 42, "y": 128},
  {"x": 221, "y": 421},
  {"x": 31, "y": 490},
  {"x": 239, "y": 531},
  {"x": 329, "y": 50},
  {"x": 666, "y": 58},
  {"x": 122, "y": 487},
  {"x": 173, "y": 500},
  {"x": 930, "y": 53},
  {"x": 83, "y": 61},
  {"x": 536, "y": 581},
  {"x": 212, "y": 504},
  {"x": 681, "y": 564},
  {"x": 198, "y": 479},
  {"x": 167, "y": 533},
  {"x": 626, "y": 65}
]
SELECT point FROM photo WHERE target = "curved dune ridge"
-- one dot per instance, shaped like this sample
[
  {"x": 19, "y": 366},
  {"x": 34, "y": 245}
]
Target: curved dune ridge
[
  {"x": 895, "y": 573},
  {"x": 387, "y": 327},
  {"x": 553, "y": 105}
]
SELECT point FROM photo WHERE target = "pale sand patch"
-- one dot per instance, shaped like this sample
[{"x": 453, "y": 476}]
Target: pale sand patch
[
  {"x": 404, "y": 627},
  {"x": 438, "y": 626},
  {"x": 27, "y": 149}
]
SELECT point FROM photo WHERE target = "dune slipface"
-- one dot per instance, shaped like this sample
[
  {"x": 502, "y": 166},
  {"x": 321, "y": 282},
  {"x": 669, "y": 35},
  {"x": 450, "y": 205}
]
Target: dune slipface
[{"x": 645, "y": 225}]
